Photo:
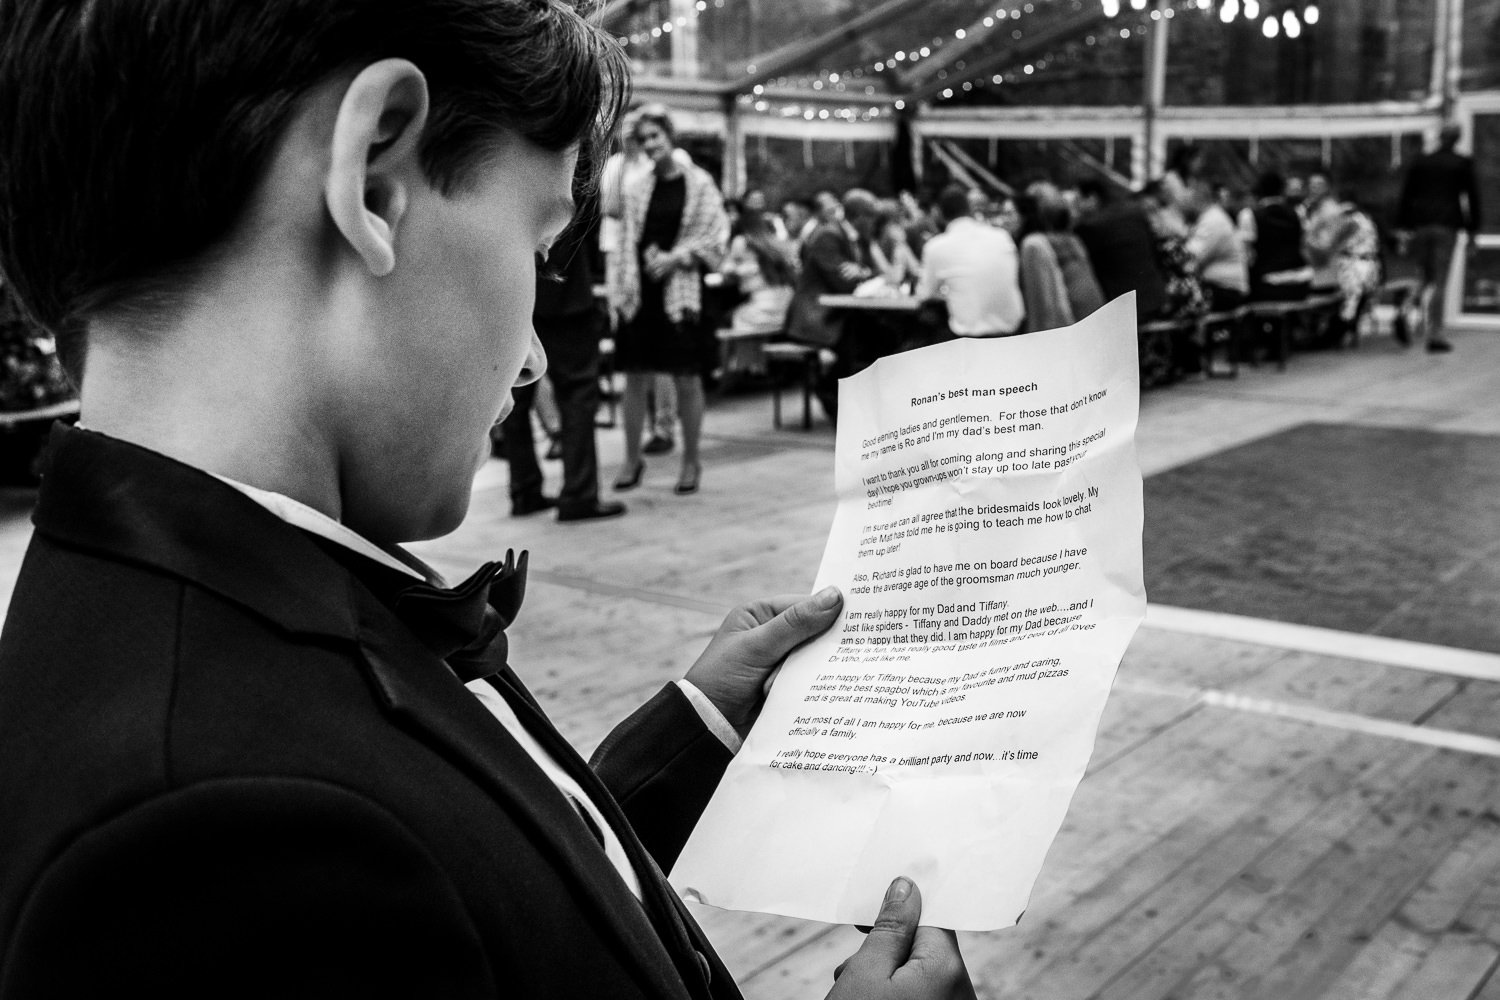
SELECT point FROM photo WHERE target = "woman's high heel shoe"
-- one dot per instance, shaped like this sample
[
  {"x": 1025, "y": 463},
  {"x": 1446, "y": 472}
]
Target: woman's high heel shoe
[
  {"x": 629, "y": 478},
  {"x": 688, "y": 481}
]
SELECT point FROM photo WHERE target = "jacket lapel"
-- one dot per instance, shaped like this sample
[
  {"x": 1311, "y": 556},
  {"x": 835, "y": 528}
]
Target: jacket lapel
[
  {"x": 659, "y": 899},
  {"x": 104, "y": 495},
  {"x": 419, "y": 689}
]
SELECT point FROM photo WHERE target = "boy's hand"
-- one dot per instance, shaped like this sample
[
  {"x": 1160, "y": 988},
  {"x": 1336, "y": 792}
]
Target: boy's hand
[
  {"x": 752, "y": 642},
  {"x": 902, "y": 961}
]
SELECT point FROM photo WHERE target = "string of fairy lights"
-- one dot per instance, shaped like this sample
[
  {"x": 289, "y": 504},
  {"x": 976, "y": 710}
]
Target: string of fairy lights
[
  {"x": 871, "y": 78},
  {"x": 665, "y": 27}
]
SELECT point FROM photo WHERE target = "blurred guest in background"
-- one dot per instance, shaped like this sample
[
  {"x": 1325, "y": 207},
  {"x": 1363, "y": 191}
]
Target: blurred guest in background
[
  {"x": 795, "y": 214},
  {"x": 1185, "y": 294},
  {"x": 1439, "y": 197},
  {"x": 1322, "y": 229},
  {"x": 1357, "y": 267},
  {"x": 568, "y": 325},
  {"x": 1121, "y": 247},
  {"x": 755, "y": 201},
  {"x": 626, "y": 166},
  {"x": 979, "y": 204},
  {"x": 1042, "y": 289},
  {"x": 1007, "y": 216},
  {"x": 673, "y": 227},
  {"x": 836, "y": 259},
  {"x": 763, "y": 265},
  {"x": 1272, "y": 231},
  {"x": 1057, "y": 281},
  {"x": 891, "y": 252},
  {"x": 1215, "y": 247},
  {"x": 974, "y": 268}
]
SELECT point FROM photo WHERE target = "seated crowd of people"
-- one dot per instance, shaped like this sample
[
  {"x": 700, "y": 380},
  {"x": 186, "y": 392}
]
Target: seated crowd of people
[
  {"x": 976, "y": 263},
  {"x": 1047, "y": 256}
]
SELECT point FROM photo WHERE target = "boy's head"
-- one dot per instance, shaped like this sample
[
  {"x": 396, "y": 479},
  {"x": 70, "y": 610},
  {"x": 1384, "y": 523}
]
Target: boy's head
[
  {"x": 135, "y": 134},
  {"x": 312, "y": 225}
]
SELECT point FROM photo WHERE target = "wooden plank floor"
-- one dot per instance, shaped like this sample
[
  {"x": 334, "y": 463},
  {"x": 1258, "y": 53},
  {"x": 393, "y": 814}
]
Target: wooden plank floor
[
  {"x": 1210, "y": 851},
  {"x": 1219, "y": 846}
]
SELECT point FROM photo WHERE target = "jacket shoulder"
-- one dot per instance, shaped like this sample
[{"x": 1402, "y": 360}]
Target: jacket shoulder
[{"x": 281, "y": 880}]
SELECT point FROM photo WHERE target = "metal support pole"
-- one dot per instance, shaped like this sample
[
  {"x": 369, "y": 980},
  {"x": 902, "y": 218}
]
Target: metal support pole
[
  {"x": 1453, "y": 78},
  {"x": 684, "y": 39},
  {"x": 735, "y": 169},
  {"x": 1151, "y": 158}
]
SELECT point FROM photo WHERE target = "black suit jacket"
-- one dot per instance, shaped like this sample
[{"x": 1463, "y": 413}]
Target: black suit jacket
[
  {"x": 826, "y": 249},
  {"x": 569, "y": 288},
  {"x": 226, "y": 769},
  {"x": 1122, "y": 249},
  {"x": 1430, "y": 194}
]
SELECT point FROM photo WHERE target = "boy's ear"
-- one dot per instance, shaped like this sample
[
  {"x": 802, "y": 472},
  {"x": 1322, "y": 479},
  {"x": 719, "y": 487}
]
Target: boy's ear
[{"x": 374, "y": 158}]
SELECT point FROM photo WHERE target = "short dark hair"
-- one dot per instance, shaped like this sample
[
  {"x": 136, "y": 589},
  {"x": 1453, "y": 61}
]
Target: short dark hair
[
  {"x": 1270, "y": 185},
  {"x": 953, "y": 202},
  {"x": 859, "y": 204},
  {"x": 887, "y": 211},
  {"x": 133, "y": 135},
  {"x": 1093, "y": 187},
  {"x": 1152, "y": 189},
  {"x": 1030, "y": 211},
  {"x": 1185, "y": 160}
]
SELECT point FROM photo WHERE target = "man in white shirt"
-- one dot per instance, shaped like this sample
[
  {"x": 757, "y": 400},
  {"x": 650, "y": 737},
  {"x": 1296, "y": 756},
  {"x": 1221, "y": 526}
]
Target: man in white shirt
[{"x": 974, "y": 268}]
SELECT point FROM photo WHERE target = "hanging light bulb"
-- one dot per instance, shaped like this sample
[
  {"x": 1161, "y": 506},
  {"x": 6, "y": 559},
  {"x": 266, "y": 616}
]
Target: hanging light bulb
[
  {"x": 1138, "y": 4},
  {"x": 1310, "y": 15},
  {"x": 1252, "y": 9},
  {"x": 1270, "y": 27},
  {"x": 1290, "y": 24},
  {"x": 1111, "y": 7},
  {"x": 1229, "y": 11}
]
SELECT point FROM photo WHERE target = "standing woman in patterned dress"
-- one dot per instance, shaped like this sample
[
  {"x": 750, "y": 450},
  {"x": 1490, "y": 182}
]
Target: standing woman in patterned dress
[{"x": 674, "y": 228}]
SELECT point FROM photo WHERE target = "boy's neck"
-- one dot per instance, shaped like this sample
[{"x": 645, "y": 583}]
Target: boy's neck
[{"x": 230, "y": 405}]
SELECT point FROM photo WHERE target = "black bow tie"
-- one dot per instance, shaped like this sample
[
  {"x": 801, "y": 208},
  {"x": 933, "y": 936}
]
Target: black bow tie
[{"x": 465, "y": 625}]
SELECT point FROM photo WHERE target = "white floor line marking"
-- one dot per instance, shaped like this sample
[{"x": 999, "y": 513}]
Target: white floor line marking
[
  {"x": 1446, "y": 739},
  {"x": 1448, "y": 660}
]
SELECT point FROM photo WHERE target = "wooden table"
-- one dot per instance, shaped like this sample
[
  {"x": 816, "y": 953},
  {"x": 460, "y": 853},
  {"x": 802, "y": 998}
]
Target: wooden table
[
  {"x": 883, "y": 325},
  {"x": 907, "y": 304}
]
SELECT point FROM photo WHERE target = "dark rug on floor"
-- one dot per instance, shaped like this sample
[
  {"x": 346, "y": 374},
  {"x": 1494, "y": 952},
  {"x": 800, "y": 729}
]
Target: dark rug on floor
[{"x": 1363, "y": 529}]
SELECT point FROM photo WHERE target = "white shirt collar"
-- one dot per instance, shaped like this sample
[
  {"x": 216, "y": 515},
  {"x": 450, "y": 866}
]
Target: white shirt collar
[{"x": 300, "y": 515}]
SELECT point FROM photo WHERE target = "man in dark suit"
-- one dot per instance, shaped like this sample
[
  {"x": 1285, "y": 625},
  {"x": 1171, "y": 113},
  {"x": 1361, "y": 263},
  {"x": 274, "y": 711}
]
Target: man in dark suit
[
  {"x": 567, "y": 323},
  {"x": 1121, "y": 247},
  {"x": 835, "y": 260},
  {"x": 249, "y": 745},
  {"x": 1439, "y": 198}
]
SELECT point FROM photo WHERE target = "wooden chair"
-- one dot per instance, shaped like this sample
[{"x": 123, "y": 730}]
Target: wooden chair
[
  {"x": 1318, "y": 321},
  {"x": 1272, "y": 323},
  {"x": 802, "y": 361},
  {"x": 1403, "y": 296},
  {"x": 1162, "y": 345},
  {"x": 1221, "y": 331},
  {"x": 741, "y": 355}
]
